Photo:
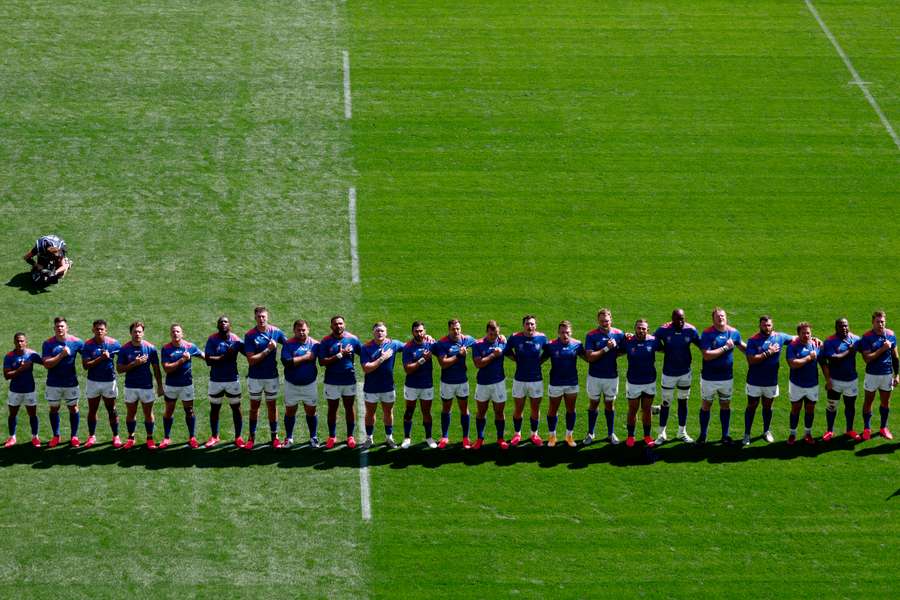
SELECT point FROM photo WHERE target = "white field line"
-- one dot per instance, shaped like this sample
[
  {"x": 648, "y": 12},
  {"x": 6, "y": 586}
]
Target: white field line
[
  {"x": 354, "y": 251},
  {"x": 348, "y": 104},
  {"x": 365, "y": 486},
  {"x": 857, "y": 80}
]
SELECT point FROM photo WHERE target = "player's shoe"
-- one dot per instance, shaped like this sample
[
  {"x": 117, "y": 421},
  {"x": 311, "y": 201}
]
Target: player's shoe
[
  {"x": 685, "y": 437},
  {"x": 193, "y": 443},
  {"x": 570, "y": 440},
  {"x": 726, "y": 440},
  {"x": 239, "y": 442},
  {"x": 366, "y": 443},
  {"x": 478, "y": 444},
  {"x": 886, "y": 433},
  {"x": 287, "y": 443},
  {"x": 212, "y": 441},
  {"x": 746, "y": 441},
  {"x": 36, "y": 441},
  {"x": 613, "y": 439},
  {"x": 92, "y": 439},
  {"x": 853, "y": 435},
  {"x": 248, "y": 445},
  {"x": 701, "y": 440},
  {"x": 662, "y": 438},
  {"x": 514, "y": 441},
  {"x": 827, "y": 437},
  {"x": 330, "y": 442},
  {"x": 442, "y": 443},
  {"x": 503, "y": 444},
  {"x": 629, "y": 441},
  {"x": 551, "y": 440},
  {"x": 351, "y": 442},
  {"x": 588, "y": 439},
  {"x": 536, "y": 440},
  {"x": 164, "y": 443},
  {"x": 390, "y": 442},
  {"x": 791, "y": 439},
  {"x": 314, "y": 442},
  {"x": 117, "y": 442},
  {"x": 54, "y": 441},
  {"x": 129, "y": 444},
  {"x": 276, "y": 443},
  {"x": 770, "y": 439},
  {"x": 151, "y": 444},
  {"x": 406, "y": 443},
  {"x": 466, "y": 443},
  {"x": 808, "y": 440},
  {"x": 648, "y": 441},
  {"x": 431, "y": 443},
  {"x": 10, "y": 442},
  {"x": 867, "y": 434},
  {"x": 74, "y": 441}
]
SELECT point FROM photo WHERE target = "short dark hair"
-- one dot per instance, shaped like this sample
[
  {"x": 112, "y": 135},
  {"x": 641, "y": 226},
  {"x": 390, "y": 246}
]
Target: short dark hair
[
  {"x": 99, "y": 322},
  {"x": 336, "y": 317},
  {"x": 492, "y": 324},
  {"x": 136, "y": 324},
  {"x": 417, "y": 324},
  {"x": 18, "y": 334},
  {"x": 452, "y": 322},
  {"x": 803, "y": 325},
  {"x": 526, "y": 317},
  {"x": 764, "y": 318},
  {"x": 878, "y": 313},
  {"x": 58, "y": 320},
  {"x": 259, "y": 310},
  {"x": 300, "y": 322}
]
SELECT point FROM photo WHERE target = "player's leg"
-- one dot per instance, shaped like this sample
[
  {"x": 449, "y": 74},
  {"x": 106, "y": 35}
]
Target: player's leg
[
  {"x": 683, "y": 393},
  {"x": 536, "y": 394},
  {"x": 74, "y": 419},
  {"x": 11, "y": 423},
  {"x": 666, "y": 396},
  {"x": 333, "y": 399},
  {"x": 808, "y": 417},
  {"x": 113, "y": 417},
  {"x": 646, "y": 404},
  {"x": 215, "y": 407},
  {"x": 409, "y": 411},
  {"x": 518, "y": 410},
  {"x": 610, "y": 391},
  {"x": 237, "y": 416},
  {"x": 190, "y": 420},
  {"x": 850, "y": 416},
  {"x": 427, "y": 422},
  {"x": 767, "y": 414},
  {"x": 387, "y": 414},
  {"x": 349, "y": 401},
  {"x": 885, "y": 410},
  {"x": 312, "y": 423},
  {"x": 833, "y": 398},
  {"x": 370, "y": 404},
  {"x": 499, "y": 405},
  {"x": 446, "y": 407},
  {"x": 33, "y": 422},
  {"x": 168, "y": 421},
  {"x": 253, "y": 419},
  {"x": 93, "y": 406},
  {"x": 749, "y": 416},
  {"x": 631, "y": 419},
  {"x": 131, "y": 404},
  {"x": 552, "y": 418},
  {"x": 290, "y": 421},
  {"x": 481, "y": 408},
  {"x": 725, "y": 412},
  {"x": 463, "y": 403},
  {"x": 270, "y": 392},
  {"x": 570, "y": 399},
  {"x": 149, "y": 420},
  {"x": 868, "y": 400},
  {"x": 796, "y": 405}
]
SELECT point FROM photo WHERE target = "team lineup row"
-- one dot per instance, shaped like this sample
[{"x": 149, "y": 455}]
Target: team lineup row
[{"x": 301, "y": 356}]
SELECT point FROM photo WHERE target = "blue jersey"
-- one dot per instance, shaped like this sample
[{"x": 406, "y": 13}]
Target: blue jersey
[
  {"x": 606, "y": 367},
  {"x": 306, "y": 372},
  {"x": 63, "y": 374},
  {"x": 420, "y": 378},
  {"x": 721, "y": 368},
  {"x": 182, "y": 375},
  {"x": 676, "y": 344},
  {"x": 382, "y": 378},
  {"x": 445, "y": 347},
  {"x": 871, "y": 342},
  {"x": 105, "y": 370},
  {"x": 563, "y": 361},
  {"x": 255, "y": 341},
  {"x": 493, "y": 371},
  {"x": 808, "y": 375},
  {"x": 842, "y": 369},
  {"x": 765, "y": 373},
  {"x": 527, "y": 352},
  {"x": 138, "y": 377},
  {"x": 340, "y": 372},
  {"x": 224, "y": 370},
  {"x": 23, "y": 383},
  {"x": 641, "y": 359}
]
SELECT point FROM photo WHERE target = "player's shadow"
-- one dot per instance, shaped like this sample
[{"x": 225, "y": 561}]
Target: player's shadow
[{"x": 24, "y": 283}]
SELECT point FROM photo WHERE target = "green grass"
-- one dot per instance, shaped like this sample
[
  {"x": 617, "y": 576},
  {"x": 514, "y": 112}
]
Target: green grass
[{"x": 508, "y": 158}]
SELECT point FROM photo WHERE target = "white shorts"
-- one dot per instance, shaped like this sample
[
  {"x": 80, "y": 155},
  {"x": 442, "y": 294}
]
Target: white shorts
[
  {"x": 710, "y": 389},
  {"x": 608, "y": 388},
  {"x": 413, "y": 394},
  {"x": 797, "y": 393},
  {"x": 555, "y": 391},
  {"x": 20, "y": 398},
  {"x": 849, "y": 389},
  {"x": 877, "y": 382},
  {"x": 495, "y": 392},
  {"x": 295, "y": 394},
  {"x": 634, "y": 390},
  {"x": 336, "y": 392},
  {"x": 256, "y": 388},
  {"x": 762, "y": 391},
  {"x": 454, "y": 390},
  {"x": 217, "y": 389},
  {"x": 532, "y": 389},
  {"x": 185, "y": 393},
  {"x": 682, "y": 382},
  {"x": 104, "y": 389},
  {"x": 385, "y": 397},
  {"x": 145, "y": 395},
  {"x": 55, "y": 395}
]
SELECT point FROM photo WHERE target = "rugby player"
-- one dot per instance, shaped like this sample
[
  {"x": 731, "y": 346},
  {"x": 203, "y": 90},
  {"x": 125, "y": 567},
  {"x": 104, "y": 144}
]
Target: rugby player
[
  {"x": 98, "y": 359},
  {"x": 336, "y": 351},
  {"x": 838, "y": 361},
  {"x": 260, "y": 346},
  {"x": 563, "y": 353},
  {"x": 298, "y": 355},
  {"x": 58, "y": 354},
  {"x": 48, "y": 260},
  {"x": 602, "y": 347},
  {"x": 136, "y": 358},
  {"x": 419, "y": 385},
  {"x": 451, "y": 351},
  {"x": 676, "y": 338},
  {"x": 801, "y": 356},
  {"x": 221, "y": 352},
  {"x": 490, "y": 383},
  {"x": 18, "y": 370},
  {"x": 179, "y": 384},
  {"x": 640, "y": 379},
  {"x": 525, "y": 348},
  {"x": 763, "y": 355},
  {"x": 879, "y": 350},
  {"x": 377, "y": 357},
  {"x": 717, "y": 374}
]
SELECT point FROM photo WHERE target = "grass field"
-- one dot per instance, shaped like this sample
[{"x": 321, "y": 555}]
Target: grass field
[{"x": 508, "y": 158}]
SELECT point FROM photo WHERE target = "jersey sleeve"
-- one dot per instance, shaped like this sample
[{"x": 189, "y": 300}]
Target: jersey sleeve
[
  {"x": 279, "y": 337},
  {"x": 194, "y": 350},
  {"x": 36, "y": 358},
  {"x": 154, "y": 356},
  {"x": 287, "y": 356}
]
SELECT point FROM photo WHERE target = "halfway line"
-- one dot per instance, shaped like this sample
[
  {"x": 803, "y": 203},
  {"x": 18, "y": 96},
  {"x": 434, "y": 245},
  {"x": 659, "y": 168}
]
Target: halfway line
[
  {"x": 857, "y": 80},
  {"x": 365, "y": 491},
  {"x": 354, "y": 252},
  {"x": 348, "y": 109}
]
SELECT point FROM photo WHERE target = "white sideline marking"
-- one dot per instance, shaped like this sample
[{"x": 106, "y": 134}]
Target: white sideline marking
[
  {"x": 365, "y": 488},
  {"x": 857, "y": 80},
  {"x": 354, "y": 252},
  {"x": 348, "y": 106}
]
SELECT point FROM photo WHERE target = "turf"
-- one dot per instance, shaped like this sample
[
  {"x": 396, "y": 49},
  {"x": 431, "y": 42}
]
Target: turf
[{"x": 509, "y": 158}]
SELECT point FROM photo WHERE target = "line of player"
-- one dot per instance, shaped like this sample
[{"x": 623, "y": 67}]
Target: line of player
[{"x": 301, "y": 355}]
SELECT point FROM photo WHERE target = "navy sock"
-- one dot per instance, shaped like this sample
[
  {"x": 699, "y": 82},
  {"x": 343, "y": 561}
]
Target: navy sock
[
  {"x": 464, "y": 421},
  {"x": 214, "y": 424},
  {"x": 682, "y": 412},
  {"x": 663, "y": 415},
  {"x": 767, "y": 418},
  {"x": 332, "y": 428},
  {"x": 427, "y": 425},
  {"x": 849, "y": 412},
  {"x": 610, "y": 421},
  {"x": 191, "y": 421},
  {"x": 704, "y": 423},
  {"x": 867, "y": 420},
  {"x": 253, "y": 428},
  {"x": 407, "y": 429},
  {"x": 725, "y": 421},
  {"x": 570, "y": 421},
  {"x": 113, "y": 420},
  {"x": 237, "y": 419},
  {"x": 885, "y": 412},
  {"x": 794, "y": 421},
  {"x": 830, "y": 416},
  {"x": 312, "y": 424},
  {"x": 74, "y": 419},
  {"x": 535, "y": 423},
  {"x": 167, "y": 426},
  {"x": 11, "y": 423},
  {"x": 808, "y": 420},
  {"x": 273, "y": 427},
  {"x": 33, "y": 421},
  {"x": 630, "y": 428},
  {"x": 592, "y": 420},
  {"x": 370, "y": 429},
  {"x": 749, "y": 414},
  {"x": 130, "y": 426},
  {"x": 479, "y": 427},
  {"x": 351, "y": 427},
  {"x": 445, "y": 424},
  {"x": 646, "y": 429},
  {"x": 501, "y": 427},
  {"x": 149, "y": 426},
  {"x": 388, "y": 430},
  {"x": 517, "y": 424},
  {"x": 92, "y": 425},
  {"x": 552, "y": 422},
  {"x": 54, "y": 423},
  {"x": 289, "y": 422}
]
